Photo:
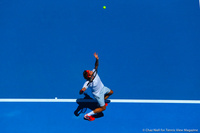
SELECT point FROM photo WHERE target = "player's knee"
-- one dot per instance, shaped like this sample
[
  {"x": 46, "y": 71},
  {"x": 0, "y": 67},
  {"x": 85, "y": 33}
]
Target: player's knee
[
  {"x": 111, "y": 92},
  {"x": 104, "y": 107}
]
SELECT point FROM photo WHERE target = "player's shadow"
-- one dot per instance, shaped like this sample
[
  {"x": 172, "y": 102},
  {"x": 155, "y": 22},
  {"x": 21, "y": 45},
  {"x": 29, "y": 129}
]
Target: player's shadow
[{"x": 87, "y": 103}]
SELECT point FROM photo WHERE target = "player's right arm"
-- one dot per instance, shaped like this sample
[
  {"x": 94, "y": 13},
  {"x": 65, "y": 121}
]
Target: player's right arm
[
  {"x": 85, "y": 86},
  {"x": 97, "y": 60},
  {"x": 82, "y": 90}
]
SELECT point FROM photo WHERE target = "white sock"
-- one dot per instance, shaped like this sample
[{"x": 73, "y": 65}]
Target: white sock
[{"x": 91, "y": 113}]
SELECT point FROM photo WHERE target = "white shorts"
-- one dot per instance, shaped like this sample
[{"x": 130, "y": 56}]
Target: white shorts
[{"x": 100, "y": 99}]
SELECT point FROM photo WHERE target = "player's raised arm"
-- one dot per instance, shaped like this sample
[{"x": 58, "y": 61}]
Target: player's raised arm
[{"x": 97, "y": 60}]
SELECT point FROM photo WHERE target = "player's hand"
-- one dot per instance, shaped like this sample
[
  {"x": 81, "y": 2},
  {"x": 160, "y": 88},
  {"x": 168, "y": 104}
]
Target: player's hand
[
  {"x": 82, "y": 90},
  {"x": 96, "y": 55}
]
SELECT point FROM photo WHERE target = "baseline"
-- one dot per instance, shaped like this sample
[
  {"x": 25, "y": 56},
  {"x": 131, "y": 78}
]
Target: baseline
[{"x": 110, "y": 100}]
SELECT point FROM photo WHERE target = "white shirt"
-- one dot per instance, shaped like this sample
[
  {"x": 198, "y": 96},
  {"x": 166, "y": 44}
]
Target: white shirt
[{"x": 96, "y": 85}]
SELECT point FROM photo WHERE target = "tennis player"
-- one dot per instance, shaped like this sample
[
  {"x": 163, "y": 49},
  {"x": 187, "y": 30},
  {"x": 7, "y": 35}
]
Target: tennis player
[{"x": 99, "y": 91}]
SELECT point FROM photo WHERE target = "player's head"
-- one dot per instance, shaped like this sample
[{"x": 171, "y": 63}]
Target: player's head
[{"x": 87, "y": 74}]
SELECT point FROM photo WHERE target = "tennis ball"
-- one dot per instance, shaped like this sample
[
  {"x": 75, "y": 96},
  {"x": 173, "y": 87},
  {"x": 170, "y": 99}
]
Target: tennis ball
[{"x": 104, "y": 7}]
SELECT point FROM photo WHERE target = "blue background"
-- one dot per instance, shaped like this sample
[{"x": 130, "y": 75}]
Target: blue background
[{"x": 148, "y": 49}]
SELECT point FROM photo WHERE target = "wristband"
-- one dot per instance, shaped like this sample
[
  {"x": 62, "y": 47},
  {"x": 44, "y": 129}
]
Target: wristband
[{"x": 81, "y": 91}]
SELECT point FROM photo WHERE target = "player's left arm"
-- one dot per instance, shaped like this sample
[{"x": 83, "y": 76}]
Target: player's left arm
[
  {"x": 82, "y": 90},
  {"x": 97, "y": 60}
]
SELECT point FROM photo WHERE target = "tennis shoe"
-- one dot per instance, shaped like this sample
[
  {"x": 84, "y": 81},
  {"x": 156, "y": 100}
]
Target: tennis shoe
[
  {"x": 106, "y": 104},
  {"x": 89, "y": 118}
]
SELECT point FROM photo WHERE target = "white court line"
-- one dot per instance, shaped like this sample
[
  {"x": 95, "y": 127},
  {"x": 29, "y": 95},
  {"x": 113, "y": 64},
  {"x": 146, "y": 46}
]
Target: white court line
[
  {"x": 111, "y": 100},
  {"x": 37, "y": 100},
  {"x": 154, "y": 101}
]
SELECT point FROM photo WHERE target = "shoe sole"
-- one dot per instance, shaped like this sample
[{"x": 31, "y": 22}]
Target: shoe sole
[{"x": 88, "y": 118}]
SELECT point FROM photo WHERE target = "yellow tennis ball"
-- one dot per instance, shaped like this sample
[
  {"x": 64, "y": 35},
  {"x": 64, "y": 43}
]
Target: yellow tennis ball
[{"x": 104, "y": 7}]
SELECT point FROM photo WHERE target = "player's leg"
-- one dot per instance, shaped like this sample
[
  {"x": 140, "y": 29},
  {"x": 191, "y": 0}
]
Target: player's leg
[
  {"x": 108, "y": 94},
  {"x": 100, "y": 109},
  {"x": 101, "y": 101},
  {"x": 105, "y": 93},
  {"x": 97, "y": 110},
  {"x": 90, "y": 116}
]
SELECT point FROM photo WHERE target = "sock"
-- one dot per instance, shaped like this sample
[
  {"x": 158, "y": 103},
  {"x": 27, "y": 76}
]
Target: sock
[{"x": 91, "y": 113}]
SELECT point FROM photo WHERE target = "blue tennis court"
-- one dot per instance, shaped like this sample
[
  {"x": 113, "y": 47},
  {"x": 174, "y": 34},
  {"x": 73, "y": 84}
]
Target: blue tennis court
[
  {"x": 59, "y": 117},
  {"x": 148, "y": 50}
]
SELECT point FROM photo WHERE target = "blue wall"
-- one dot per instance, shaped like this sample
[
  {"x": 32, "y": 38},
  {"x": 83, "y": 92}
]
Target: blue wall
[{"x": 147, "y": 49}]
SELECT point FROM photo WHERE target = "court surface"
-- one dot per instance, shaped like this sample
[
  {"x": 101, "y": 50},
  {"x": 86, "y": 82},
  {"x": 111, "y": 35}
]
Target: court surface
[
  {"x": 148, "y": 55},
  {"x": 119, "y": 117}
]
